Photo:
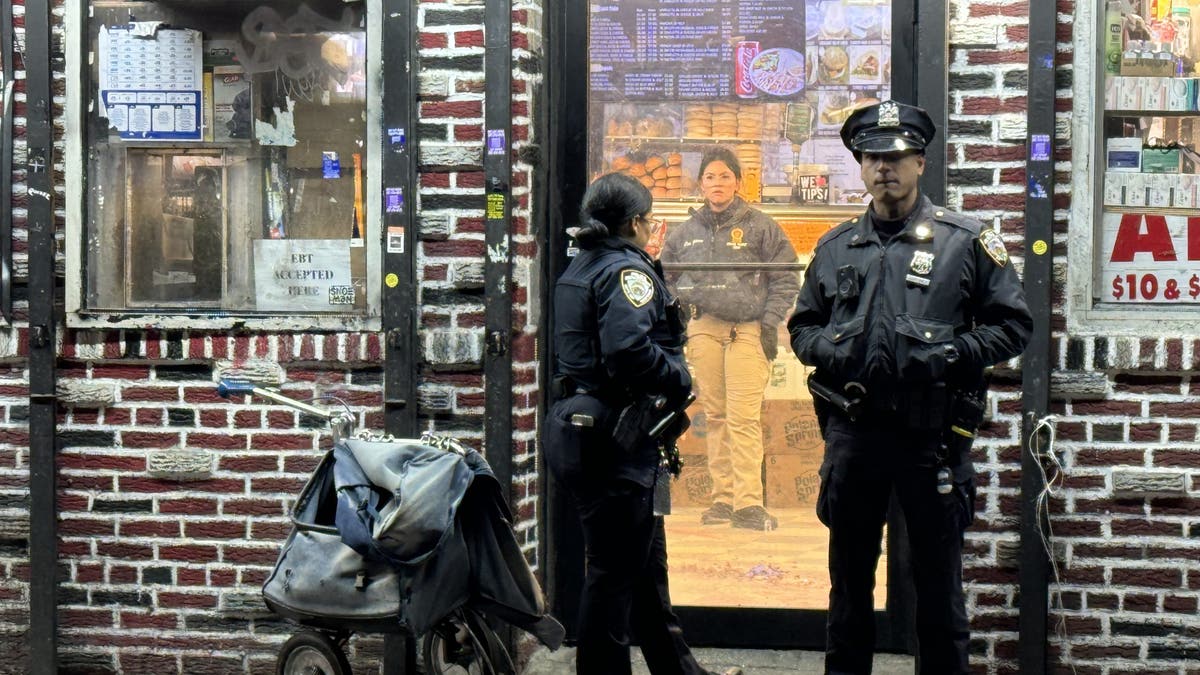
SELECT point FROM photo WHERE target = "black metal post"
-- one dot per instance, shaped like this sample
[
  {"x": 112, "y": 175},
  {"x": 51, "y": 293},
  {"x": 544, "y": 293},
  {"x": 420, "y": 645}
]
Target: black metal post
[
  {"x": 43, "y": 523},
  {"x": 399, "y": 292},
  {"x": 6, "y": 147},
  {"x": 931, "y": 85},
  {"x": 566, "y": 58},
  {"x": 1035, "y": 370},
  {"x": 497, "y": 307}
]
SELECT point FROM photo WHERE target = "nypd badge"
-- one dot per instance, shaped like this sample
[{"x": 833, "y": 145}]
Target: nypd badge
[
  {"x": 922, "y": 262},
  {"x": 637, "y": 287},
  {"x": 889, "y": 114},
  {"x": 994, "y": 246}
]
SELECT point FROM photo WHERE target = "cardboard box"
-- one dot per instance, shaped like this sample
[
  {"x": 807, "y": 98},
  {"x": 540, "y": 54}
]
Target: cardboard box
[
  {"x": 791, "y": 428},
  {"x": 792, "y": 481},
  {"x": 1124, "y": 154},
  {"x": 692, "y": 488}
]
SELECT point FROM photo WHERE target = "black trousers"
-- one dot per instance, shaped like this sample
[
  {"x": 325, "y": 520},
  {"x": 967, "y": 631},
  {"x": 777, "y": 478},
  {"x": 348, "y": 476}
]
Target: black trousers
[
  {"x": 863, "y": 465},
  {"x": 625, "y": 594}
]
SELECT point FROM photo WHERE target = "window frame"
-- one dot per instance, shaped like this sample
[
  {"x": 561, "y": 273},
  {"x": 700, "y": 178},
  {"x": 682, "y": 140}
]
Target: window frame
[
  {"x": 1086, "y": 316},
  {"x": 74, "y": 165}
]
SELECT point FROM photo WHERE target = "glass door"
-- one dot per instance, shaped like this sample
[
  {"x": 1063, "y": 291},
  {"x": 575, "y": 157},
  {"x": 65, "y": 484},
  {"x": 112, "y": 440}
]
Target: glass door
[{"x": 669, "y": 83}]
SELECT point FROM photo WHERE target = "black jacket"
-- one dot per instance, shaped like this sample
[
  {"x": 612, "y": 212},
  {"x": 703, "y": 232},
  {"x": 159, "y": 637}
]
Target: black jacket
[
  {"x": 739, "y": 234},
  {"x": 618, "y": 336},
  {"x": 881, "y": 314}
]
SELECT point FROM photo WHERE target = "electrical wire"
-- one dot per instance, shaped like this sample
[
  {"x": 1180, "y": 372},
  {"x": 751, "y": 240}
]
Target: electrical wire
[{"x": 1052, "y": 482}]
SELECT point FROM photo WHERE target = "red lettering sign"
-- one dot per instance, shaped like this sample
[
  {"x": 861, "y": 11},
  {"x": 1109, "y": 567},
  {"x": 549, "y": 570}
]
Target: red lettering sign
[{"x": 1156, "y": 240}]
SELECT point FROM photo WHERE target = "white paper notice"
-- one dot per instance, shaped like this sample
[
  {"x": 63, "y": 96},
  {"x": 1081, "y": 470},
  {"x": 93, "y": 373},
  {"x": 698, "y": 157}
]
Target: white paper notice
[
  {"x": 153, "y": 79},
  {"x": 306, "y": 275}
]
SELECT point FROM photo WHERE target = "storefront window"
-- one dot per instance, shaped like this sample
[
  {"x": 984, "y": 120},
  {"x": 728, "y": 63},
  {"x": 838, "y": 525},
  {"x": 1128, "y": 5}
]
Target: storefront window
[
  {"x": 772, "y": 81},
  {"x": 225, "y": 150},
  {"x": 1149, "y": 222}
]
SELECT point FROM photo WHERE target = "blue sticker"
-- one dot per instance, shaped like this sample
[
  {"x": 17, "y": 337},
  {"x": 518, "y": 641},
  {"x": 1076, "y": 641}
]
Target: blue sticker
[
  {"x": 495, "y": 141},
  {"x": 393, "y": 200},
  {"x": 1039, "y": 148},
  {"x": 330, "y": 166},
  {"x": 396, "y": 135}
]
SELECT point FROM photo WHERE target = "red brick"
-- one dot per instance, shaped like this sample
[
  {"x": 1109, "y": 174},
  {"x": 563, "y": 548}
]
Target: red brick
[
  {"x": 85, "y": 618},
  {"x": 223, "y": 529},
  {"x": 155, "y": 620},
  {"x": 457, "y": 109},
  {"x": 191, "y": 600},
  {"x": 159, "y": 394},
  {"x": 193, "y": 553},
  {"x": 190, "y": 505},
  {"x": 150, "y": 528},
  {"x": 101, "y": 462},
  {"x": 217, "y": 441},
  {"x": 253, "y": 507},
  {"x": 468, "y": 38},
  {"x": 149, "y": 439},
  {"x": 433, "y": 40}
]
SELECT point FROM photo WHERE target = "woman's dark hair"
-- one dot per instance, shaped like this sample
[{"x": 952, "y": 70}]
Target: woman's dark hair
[
  {"x": 721, "y": 154},
  {"x": 611, "y": 202}
]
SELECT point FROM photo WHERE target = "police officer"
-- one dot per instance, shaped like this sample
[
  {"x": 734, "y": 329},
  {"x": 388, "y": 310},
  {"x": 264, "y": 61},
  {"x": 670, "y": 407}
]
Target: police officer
[
  {"x": 618, "y": 337},
  {"x": 901, "y": 310},
  {"x": 734, "y": 332}
]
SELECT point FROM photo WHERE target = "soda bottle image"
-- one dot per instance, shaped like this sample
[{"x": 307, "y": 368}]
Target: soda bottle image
[{"x": 743, "y": 54}]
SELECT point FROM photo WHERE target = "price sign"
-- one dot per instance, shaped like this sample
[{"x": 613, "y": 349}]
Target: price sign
[{"x": 1151, "y": 258}]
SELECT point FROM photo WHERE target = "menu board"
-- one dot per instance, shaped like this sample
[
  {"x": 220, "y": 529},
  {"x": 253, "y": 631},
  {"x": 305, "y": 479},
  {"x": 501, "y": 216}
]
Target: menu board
[
  {"x": 772, "y": 80},
  {"x": 697, "y": 50}
]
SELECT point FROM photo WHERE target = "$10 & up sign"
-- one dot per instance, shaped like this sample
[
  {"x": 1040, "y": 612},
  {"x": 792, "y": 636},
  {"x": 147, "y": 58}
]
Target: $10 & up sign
[{"x": 1150, "y": 258}]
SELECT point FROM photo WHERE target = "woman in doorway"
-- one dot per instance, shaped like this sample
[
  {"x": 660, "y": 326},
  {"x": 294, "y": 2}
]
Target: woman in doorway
[
  {"x": 734, "y": 332},
  {"x": 618, "y": 337}
]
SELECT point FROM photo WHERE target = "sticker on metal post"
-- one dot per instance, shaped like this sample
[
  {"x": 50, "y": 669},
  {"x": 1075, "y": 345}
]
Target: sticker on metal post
[
  {"x": 393, "y": 200},
  {"x": 331, "y": 167},
  {"x": 495, "y": 142},
  {"x": 495, "y": 206},
  {"x": 395, "y": 239},
  {"x": 396, "y": 135},
  {"x": 392, "y": 280},
  {"x": 1039, "y": 148}
]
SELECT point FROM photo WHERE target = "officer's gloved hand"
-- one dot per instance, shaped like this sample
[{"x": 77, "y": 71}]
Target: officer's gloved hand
[
  {"x": 941, "y": 361},
  {"x": 769, "y": 337}
]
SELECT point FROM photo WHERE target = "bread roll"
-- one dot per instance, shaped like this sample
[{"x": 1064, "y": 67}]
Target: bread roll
[
  {"x": 621, "y": 163},
  {"x": 658, "y": 192},
  {"x": 647, "y": 181},
  {"x": 637, "y": 170},
  {"x": 659, "y": 173},
  {"x": 653, "y": 162},
  {"x": 674, "y": 171},
  {"x": 674, "y": 183},
  {"x": 674, "y": 159}
]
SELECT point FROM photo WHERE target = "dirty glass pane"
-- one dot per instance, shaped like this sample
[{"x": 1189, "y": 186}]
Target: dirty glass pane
[
  {"x": 226, "y": 158},
  {"x": 771, "y": 81},
  {"x": 1151, "y": 143}
]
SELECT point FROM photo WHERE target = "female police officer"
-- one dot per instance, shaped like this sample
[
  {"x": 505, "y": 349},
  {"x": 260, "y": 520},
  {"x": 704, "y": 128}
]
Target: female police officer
[
  {"x": 903, "y": 308},
  {"x": 619, "y": 341}
]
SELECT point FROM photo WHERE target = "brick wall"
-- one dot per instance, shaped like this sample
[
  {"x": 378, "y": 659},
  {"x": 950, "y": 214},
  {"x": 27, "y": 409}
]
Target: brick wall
[
  {"x": 173, "y": 502},
  {"x": 1126, "y": 536}
]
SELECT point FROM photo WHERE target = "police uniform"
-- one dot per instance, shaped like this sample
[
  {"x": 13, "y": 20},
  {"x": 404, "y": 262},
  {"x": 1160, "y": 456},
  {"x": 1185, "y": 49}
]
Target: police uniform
[
  {"x": 731, "y": 310},
  {"x": 911, "y": 320},
  {"x": 618, "y": 336}
]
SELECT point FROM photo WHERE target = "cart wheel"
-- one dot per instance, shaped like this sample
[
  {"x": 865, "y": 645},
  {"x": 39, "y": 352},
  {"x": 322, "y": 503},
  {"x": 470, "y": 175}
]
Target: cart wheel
[
  {"x": 464, "y": 644},
  {"x": 312, "y": 653}
]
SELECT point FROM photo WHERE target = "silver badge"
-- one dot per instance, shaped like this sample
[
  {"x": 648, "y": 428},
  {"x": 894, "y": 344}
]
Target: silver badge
[
  {"x": 889, "y": 114},
  {"x": 922, "y": 262}
]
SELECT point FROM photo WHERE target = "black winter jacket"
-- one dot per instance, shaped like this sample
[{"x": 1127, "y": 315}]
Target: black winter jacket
[
  {"x": 882, "y": 314},
  {"x": 740, "y": 234}
]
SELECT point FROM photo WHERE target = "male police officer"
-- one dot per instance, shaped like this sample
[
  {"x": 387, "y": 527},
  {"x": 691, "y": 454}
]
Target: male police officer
[{"x": 901, "y": 310}]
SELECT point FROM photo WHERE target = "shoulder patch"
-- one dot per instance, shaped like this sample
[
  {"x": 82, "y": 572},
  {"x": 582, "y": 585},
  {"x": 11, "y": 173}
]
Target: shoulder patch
[
  {"x": 993, "y": 246},
  {"x": 637, "y": 287}
]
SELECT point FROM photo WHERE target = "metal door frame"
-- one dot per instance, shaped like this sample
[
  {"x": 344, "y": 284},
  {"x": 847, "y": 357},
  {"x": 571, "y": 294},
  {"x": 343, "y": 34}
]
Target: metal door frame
[{"x": 918, "y": 39}]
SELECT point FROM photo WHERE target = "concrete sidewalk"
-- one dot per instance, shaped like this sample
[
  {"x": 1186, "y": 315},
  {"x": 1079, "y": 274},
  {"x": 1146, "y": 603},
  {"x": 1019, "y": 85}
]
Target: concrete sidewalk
[{"x": 755, "y": 661}]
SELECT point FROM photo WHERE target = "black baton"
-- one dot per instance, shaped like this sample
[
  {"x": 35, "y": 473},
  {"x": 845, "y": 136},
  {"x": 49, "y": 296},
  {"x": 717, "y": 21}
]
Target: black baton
[
  {"x": 849, "y": 407},
  {"x": 670, "y": 417}
]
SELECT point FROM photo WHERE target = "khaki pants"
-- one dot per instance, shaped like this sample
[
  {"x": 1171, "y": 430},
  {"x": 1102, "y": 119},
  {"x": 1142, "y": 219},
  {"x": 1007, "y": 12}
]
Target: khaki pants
[{"x": 731, "y": 376}]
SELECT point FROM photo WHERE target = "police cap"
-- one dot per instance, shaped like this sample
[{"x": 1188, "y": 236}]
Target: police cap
[{"x": 887, "y": 127}]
